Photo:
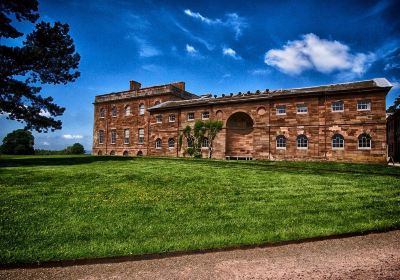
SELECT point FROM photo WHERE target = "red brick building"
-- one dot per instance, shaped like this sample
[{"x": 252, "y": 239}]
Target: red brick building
[{"x": 334, "y": 122}]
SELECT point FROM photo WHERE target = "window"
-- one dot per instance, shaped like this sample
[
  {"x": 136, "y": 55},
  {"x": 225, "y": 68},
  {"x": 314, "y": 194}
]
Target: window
[
  {"x": 337, "y": 106},
  {"x": 127, "y": 110},
  {"x": 113, "y": 136},
  {"x": 364, "y": 141},
  {"x": 159, "y": 118},
  {"x": 112, "y": 153},
  {"x": 126, "y": 136},
  {"x": 101, "y": 136},
  {"x": 302, "y": 109},
  {"x": 172, "y": 118},
  {"x": 281, "y": 142},
  {"x": 114, "y": 111},
  {"x": 205, "y": 115},
  {"x": 158, "y": 143},
  {"x": 302, "y": 142},
  {"x": 190, "y": 142},
  {"x": 141, "y": 109},
  {"x": 141, "y": 135},
  {"x": 363, "y": 105},
  {"x": 171, "y": 143},
  {"x": 190, "y": 116},
  {"x": 102, "y": 113},
  {"x": 204, "y": 143},
  {"x": 281, "y": 110},
  {"x": 337, "y": 141}
]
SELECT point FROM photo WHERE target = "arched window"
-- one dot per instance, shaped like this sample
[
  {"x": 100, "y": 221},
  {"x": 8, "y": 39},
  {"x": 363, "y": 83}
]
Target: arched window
[
  {"x": 204, "y": 143},
  {"x": 139, "y": 153},
  {"x": 364, "y": 141},
  {"x": 99, "y": 153},
  {"x": 281, "y": 142},
  {"x": 190, "y": 142},
  {"x": 102, "y": 113},
  {"x": 171, "y": 143},
  {"x": 101, "y": 136},
  {"x": 125, "y": 153},
  {"x": 112, "y": 153},
  {"x": 114, "y": 111},
  {"x": 141, "y": 109},
  {"x": 302, "y": 142},
  {"x": 127, "y": 110},
  {"x": 337, "y": 141},
  {"x": 158, "y": 143}
]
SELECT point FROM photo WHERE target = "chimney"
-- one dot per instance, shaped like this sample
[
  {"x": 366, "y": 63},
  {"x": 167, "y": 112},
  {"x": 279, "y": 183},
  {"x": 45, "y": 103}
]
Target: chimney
[
  {"x": 180, "y": 85},
  {"x": 133, "y": 85}
]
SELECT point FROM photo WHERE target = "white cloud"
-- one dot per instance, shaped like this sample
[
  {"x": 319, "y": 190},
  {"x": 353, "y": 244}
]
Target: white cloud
[
  {"x": 322, "y": 55},
  {"x": 230, "y": 52},
  {"x": 44, "y": 113},
  {"x": 195, "y": 38},
  {"x": 72, "y": 136},
  {"x": 145, "y": 48},
  {"x": 45, "y": 143},
  {"x": 190, "y": 49},
  {"x": 232, "y": 21}
]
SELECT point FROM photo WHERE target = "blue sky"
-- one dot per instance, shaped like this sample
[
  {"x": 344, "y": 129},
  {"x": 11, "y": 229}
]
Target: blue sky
[{"x": 215, "y": 47}]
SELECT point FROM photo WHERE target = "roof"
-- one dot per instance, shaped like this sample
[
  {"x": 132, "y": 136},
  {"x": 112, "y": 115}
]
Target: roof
[{"x": 367, "y": 85}]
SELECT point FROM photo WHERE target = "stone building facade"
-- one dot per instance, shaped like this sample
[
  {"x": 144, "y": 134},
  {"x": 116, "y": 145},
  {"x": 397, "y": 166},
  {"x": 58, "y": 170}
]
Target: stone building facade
[
  {"x": 393, "y": 135},
  {"x": 344, "y": 122}
]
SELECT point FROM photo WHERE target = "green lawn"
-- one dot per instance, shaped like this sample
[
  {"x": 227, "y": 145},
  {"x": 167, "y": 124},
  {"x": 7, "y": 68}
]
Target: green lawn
[{"x": 64, "y": 207}]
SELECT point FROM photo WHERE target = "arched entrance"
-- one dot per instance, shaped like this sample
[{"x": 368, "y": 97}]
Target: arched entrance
[{"x": 239, "y": 136}]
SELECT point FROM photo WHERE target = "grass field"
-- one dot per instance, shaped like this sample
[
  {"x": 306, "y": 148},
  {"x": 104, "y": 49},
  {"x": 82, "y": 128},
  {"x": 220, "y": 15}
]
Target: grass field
[{"x": 61, "y": 207}]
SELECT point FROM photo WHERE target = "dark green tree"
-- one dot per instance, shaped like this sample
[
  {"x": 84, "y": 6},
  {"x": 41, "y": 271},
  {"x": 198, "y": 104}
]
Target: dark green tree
[
  {"x": 394, "y": 106},
  {"x": 18, "y": 142},
  {"x": 75, "y": 149},
  {"x": 47, "y": 56}
]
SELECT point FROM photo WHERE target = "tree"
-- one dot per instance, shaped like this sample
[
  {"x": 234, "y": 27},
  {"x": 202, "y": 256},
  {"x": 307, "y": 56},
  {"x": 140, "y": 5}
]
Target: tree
[
  {"x": 47, "y": 56},
  {"x": 75, "y": 149},
  {"x": 196, "y": 135},
  {"x": 18, "y": 142},
  {"x": 395, "y": 106}
]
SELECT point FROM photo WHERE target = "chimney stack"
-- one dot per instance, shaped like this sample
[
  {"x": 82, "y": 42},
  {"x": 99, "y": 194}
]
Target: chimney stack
[
  {"x": 180, "y": 85},
  {"x": 133, "y": 85}
]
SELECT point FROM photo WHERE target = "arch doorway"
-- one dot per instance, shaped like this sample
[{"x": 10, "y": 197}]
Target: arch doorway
[
  {"x": 239, "y": 136},
  {"x": 139, "y": 153}
]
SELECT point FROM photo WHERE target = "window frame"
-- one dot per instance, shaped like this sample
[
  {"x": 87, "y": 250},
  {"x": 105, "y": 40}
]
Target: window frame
[
  {"x": 114, "y": 112},
  {"x": 279, "y": 145},
  {"x": 303, "y": 105},
  {"x": 279, "y": 107},
  {"x": 113, "y": 136},
  {"x": 203, "y": 117},
  {"x": 126, "y": 139},
  {"x": 203, "y": 141},
  {"x": 301, "y": 136},
  {"x": 169, "y": 143},
  {"x": 140, "y": 136},
  {"x": 340, "y": 144},
  {"x": 102, "y": 113},
  {"x": 159, "y": 118},
  {"x": 141, "y": 109},
  {"x": 190, "y": 119},
  {"x": 171, "y": 118},
  {"x": 128, "y": 108},
  {"x": 333, "y": 106},
  {"x": 101, "y": 136},
  {"x": 366, "y": 135},
  {"x": 368, "y": 103},
  {"x": 158, "y": 144}
]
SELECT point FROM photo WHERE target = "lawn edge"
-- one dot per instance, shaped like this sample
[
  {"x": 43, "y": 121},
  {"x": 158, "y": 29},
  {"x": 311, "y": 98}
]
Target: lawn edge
[{"x": 154, "y": 256}]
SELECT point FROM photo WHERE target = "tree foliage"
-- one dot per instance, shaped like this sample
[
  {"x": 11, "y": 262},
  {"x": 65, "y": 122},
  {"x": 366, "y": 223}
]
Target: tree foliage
[
  {"x": 18, "y": 142},
  {"x": 201, "y": 130},
  {"x": 394, "y": 106},
  {"x": 47, "y": 56},
  {"x": 75, "y": 149}
]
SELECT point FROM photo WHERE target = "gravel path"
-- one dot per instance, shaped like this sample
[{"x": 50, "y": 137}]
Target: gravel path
[{"x": 373, "y": 256}]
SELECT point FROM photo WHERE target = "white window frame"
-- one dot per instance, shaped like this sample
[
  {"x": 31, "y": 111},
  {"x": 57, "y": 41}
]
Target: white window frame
[
  {"x": 281, "y": 107},
  {"x": 171, "y": 140},
  {"x": 141, "y": 109},
  {"x": 281, "y": 146},
  {"x": 114, "y": 112},
  {"x": 171, "y": 118},
  {"x": 101, "y": 136},
  {"x": 126, "y": 136},
  {"x": 128, "y": 110},
  {"x": 369, "y": 142},
  {"x": 297, "y": 142},
  {"x": 113, "y": 136},
  {"x": 102, "y": 113},
  {"x": 188, "y": 116},
  {"x": 204, "y": 143},
  {"x": 158, "y": 144},
  {"x": 300, "y": 109},
  {"x": 158, "y": 118},
  {"x": 364, "y": 102},
  {"x": 340, "y": 144},
  {"x": 334, "y": 106},
  {"x": 141, "y": 135},
  {"x": 205, "y": 115}
]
